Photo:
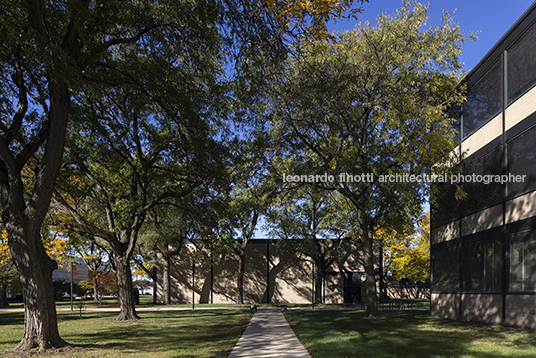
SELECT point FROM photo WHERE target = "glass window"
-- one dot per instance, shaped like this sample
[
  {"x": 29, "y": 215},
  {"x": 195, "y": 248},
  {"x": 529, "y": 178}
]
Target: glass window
[
  {"x": 523, "y": 262},
  {"x": 482, "y": 193},
  {"x": 445, "y": 271},
  {"x": 522, "y": 64},
  {"x": 483, "y": 100},
  {"x": 482, "y": 267},
  {"x": 455, "y": 112},
  {"x": 446, "y": 208},
  {"x": 522, "y": 161}
]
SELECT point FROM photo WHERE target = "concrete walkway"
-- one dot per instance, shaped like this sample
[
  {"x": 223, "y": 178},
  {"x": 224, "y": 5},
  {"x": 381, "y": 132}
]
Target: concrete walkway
[{"x": 269, "y": 335}]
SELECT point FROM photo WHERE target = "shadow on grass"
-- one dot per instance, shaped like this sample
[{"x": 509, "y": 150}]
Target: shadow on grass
[
  {"x": 159, "y": 332},
  {"x": 405, "y": 334},
  {"x": 11, "y": 318}
]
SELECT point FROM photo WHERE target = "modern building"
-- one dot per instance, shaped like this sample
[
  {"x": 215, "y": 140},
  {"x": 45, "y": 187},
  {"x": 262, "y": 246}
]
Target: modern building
[
  {"x": 483, "y": 248},
  {"x": 272, "y": 274},
  {"x": 63, "y": 273}
]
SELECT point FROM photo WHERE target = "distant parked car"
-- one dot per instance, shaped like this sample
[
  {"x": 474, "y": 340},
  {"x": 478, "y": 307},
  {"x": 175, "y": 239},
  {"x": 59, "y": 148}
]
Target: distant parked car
[{"x": 67, "y": 297}]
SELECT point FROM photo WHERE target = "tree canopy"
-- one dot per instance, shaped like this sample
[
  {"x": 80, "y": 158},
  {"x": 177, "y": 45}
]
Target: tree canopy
[
  {"x": 52, "y": 51},
  {"x": 369, "y": 104}
]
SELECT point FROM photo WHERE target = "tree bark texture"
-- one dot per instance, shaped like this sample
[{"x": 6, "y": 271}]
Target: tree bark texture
[
  {"x": 240, "y": 278},
  {"x": 96, "y": 291},
  {"x": 35, "y": 270},
  {"x": 125, "y": 288},
  {"x": 319, "y": 279},
  {"x": 23, "y": 219},
  {"x": 166, "y": 275},
  {"x": 371, "y": 295},
  {"x": 3, "y": 296}
]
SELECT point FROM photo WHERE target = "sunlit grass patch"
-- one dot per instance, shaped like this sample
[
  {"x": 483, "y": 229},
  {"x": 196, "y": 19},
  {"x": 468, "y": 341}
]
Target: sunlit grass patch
[
  {"x": 405, "y": 334},
  {"x": 158, "y": 334}
]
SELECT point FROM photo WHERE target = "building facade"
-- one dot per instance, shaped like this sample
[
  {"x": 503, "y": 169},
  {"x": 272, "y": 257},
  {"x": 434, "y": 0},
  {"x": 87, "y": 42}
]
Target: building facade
[
  {"x": 272, "y": 274},
  {"x": 483, "y": 247}
]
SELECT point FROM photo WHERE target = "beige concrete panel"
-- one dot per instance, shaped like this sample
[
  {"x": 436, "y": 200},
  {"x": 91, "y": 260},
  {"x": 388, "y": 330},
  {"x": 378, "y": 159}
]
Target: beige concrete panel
[
  {"x": 483, "y": 136},
  {"x": 294, "y": 285},
  {"x": 334, "y": 289},
  {"x": 520, "y": 208},
  {"x": 288, "y": 276},
  {"x": 482, "y": 220},
  {"x": 255, "y": 272},
  {"x": 521, "y": 311},
  {"x": 520, "y": 109},
  {"x": 445, "y": 232},
  {"x": 452, "y": 159},
  {"x": 445, "y": 305},
  {"x": 225, "y": 284},
  {"x": 181, "y": 280},
  {"x": 482, "y": 308},
  {"x": 353, "y": 262}
]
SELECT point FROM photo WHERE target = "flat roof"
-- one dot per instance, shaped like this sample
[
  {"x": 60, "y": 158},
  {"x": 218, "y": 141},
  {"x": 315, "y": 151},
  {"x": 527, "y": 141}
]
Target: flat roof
[{"x": 513, "y": 33}]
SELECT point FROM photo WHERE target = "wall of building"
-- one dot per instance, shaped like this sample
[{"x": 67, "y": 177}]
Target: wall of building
[
  {"x": 483, "y": 248},
  {"x": 64, "y": 273},
  {"x": 273, "y": 274}
]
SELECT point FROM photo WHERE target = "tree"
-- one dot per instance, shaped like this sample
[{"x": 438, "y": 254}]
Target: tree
[
  {"x": 169, "y": 228},
  {"x": 316, "y": 225},
  {"x": 406, "y": 254},
  {"x": 93, "y": 256},
  {"x": 368, "y": 105},
  {"x": 49, "y": 51},
  {"x": 138, "y": 165},
  {"x": 54, "y": 246},
  {"x": 8, "y": 271},
  {"x": 410, "y": 257},
  {"x": 106, "y": 282},
  {"x": 252, "y": 191}
]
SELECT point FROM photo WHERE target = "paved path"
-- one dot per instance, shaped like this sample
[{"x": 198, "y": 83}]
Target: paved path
[{"x": 269, "y": 335}]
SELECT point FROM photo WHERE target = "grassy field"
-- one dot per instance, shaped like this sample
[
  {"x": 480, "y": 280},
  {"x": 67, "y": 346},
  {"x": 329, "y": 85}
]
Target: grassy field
[
  {"x": 157, "y": 334},
  {"x": 147, "y": 302},
  {"x": 405, "y": 334}
]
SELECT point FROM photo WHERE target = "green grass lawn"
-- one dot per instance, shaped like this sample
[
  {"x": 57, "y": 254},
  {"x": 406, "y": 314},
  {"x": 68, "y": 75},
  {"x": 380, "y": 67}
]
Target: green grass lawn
[
  {"x": 156, "y": 334},
  {"x": 405, "y": 334},
  {"x": 147, "y": 302},
  {"x": 406, "y": 302}
]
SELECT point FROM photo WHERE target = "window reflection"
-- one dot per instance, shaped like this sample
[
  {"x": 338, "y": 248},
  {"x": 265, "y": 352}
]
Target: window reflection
[
  {"x": 483, "y": 100},
  {"x": 445, "y": 271},
  {"x": 446, "y": 207},
  {"x": 482, "y": 267},
  {"x": 522, "y": 161},
  {"x": 523, "y": 262},
  {"x": 522, "y": 64},
  {"x": 479, "y": 194},
  {"x": 455, "y": 112}
]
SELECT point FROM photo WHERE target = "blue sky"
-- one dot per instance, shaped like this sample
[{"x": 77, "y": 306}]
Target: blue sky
[{"x": 491, "y": 19}]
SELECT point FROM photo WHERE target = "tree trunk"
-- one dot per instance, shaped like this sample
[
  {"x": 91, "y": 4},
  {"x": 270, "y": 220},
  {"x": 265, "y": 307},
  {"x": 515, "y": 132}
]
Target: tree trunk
[
  {"x": 96, "y": 290},
  {"x": 370, "y": 276},
  {"x": 35, "y": 270},
  {"x": 166, "y": 275},
  {"x": 3, "y": 296},
  {"x": 240, "y": 279},
  {"x": 125, "y": 289}
]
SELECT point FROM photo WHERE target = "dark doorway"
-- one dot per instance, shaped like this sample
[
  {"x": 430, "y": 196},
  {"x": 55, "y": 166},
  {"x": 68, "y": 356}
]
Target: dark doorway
[{"x": 352, "y": 287}]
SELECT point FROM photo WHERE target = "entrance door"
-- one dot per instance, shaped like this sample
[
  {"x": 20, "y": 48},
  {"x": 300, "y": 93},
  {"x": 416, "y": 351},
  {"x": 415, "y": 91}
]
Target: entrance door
[{"x": 352, "y": 287}]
